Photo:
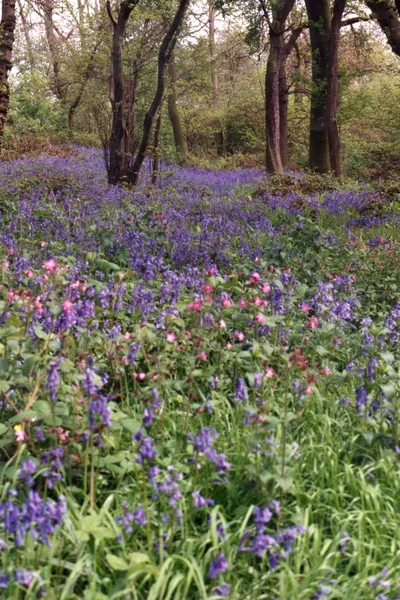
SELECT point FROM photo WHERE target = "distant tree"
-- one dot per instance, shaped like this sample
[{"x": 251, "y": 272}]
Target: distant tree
[
  {"x": 7, "y": 28},
  {"x": 173, "y": 112},
  {"x": 123, "y": 165}
]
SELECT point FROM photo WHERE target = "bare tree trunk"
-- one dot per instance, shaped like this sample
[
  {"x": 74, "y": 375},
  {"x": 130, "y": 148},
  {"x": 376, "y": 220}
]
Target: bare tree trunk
[
  {"x": 166, "y": 50},
  {"x": 388, "y": 16},
  {"x": 272, "y": 99},
  {"x": 53, "y": 44},
  {"x": 319, "y": 15},
  {"x": 283, "y": 114},
  {"x": 177, "y": 129},
  {"x": 276, "y": 98},
  {"x": 7, "y": 28},
  {"x": 219, "y": 135},
  {"x": 333, "y": 88},
  {"x": 116, "y": 162},
  {"x": 156, "y": 152}
]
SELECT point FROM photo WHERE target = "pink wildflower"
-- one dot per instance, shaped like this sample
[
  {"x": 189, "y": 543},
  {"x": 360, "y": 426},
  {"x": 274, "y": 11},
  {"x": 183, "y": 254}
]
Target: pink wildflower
[
  {"x": 255, "y": 277},
  {"x": 269, "y": 372},
  {"x": 260, "y": 318},
  {"x": 313, "y": 323},
  {"x": 305, "y": 307},
  {"x": 50, "y": 265},
  {"x": 171, "y": 337},
  {"x": 67, "y": 306},
  {"x": 202, "y": 356},
  {"x": 266, "y": 288}
]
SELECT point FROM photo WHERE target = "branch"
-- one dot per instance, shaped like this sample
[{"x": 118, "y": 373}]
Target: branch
[
  {"x": 110, "y": 14},
  {"x": 290, "y": 44},
  {"x": 355, "y": 20}
]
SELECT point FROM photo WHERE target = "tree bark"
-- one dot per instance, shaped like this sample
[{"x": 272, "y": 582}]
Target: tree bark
[
  {"x": 387, "y": 14},
  {"x": 165, "y": 53},
  {"x": 156, "y": 152},
  {"x": 319, "y": 15},
  {"x": 219, "y": 135},
  {"x": 7, "y": 28},
  {"x": 333, "y": 88},
  {"x": 117, "y": 159},
  {"x": 177, "y": 129},
  {"x": 276, "y": 99},
  {"x": 272, "y": 101}
]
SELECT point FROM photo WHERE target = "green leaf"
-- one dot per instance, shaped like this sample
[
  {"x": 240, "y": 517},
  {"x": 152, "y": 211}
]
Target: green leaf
[{"x": 116, "y": 563}]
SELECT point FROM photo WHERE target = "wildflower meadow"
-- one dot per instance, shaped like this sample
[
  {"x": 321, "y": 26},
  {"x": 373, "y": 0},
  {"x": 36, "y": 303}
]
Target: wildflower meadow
[{"x": 199, "y": 387}]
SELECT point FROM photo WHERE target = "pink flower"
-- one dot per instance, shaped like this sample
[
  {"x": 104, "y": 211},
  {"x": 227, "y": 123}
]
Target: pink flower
[
  {"x": 202, "y": 356},
  {"x": 10, "y": 295},
  {"x": 266, "y": 288},
  {"x": 228, "y": 346},
  {"x": 207, "y": 287},
  {"x": 127, "y": 336},
  {"x": 309, "y": 390},
  {"x": 305, "y": 307},
  {"x": 239, "y": 336},
  {"x": 313, "y": 323},
  {"x": 50, "y": 265},
  {"x": 257, "y": 259},
  {"x": 38, "y": 305},
  {"x": 42, "y": 244},
  {"x": 242, "y": 303},
  {"x": 212, "y": 271},
  {"x": 226, "y": 302},
  {"x": 325, "y": 371},
  {"x": 257, "y": 301},
  {"x": 10, "y": 251},
  {"x": 221, "y": 324},
  {"x": 254, "y": 278},
  {"x": 195, "y": 305},
  {"x": 20, "y": 434},
  {"x": 67, "y": 306},
  {"x": 171, "y": 337},
  {"x": 260, "y": 318},
  {"x": 28, "y": 273},
  {"x": 269, "y": 372},
  {"x": 125, "y": 360},
  {"x": 142, "y": 376}
]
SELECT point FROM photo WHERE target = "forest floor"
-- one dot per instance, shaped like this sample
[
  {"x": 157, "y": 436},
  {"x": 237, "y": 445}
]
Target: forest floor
[{"x": 199, "y": 386}]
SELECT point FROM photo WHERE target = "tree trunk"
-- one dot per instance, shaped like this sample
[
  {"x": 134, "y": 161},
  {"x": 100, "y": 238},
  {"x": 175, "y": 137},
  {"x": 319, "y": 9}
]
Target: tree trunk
[
  {"x": 156, "y": 152},
  {"x": 388, "y": 15},
  {"x": 53, "y": 44},
  {"x": 276, "y": 91},
  {"x": 165, "y": 53},
  {"x": 283, "y": 114},
  {"x": 7, "y": 28},
  {"x": 177, "y": 129},
  {"x": 319, "y": 15},
  {"x": 116, "y": 161},
  {"x": 272, "y": 104},
  {"x": 333, "y": 89},
  {"x": 219, "y": 135}
]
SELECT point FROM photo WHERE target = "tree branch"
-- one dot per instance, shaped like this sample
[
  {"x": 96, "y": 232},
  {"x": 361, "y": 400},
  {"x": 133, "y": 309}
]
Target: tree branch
[{"x": 110, "y": 14}]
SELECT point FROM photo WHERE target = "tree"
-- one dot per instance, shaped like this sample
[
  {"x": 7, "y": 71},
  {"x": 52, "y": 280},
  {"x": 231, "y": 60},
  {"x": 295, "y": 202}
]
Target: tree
[
  {"x": 333, "y": 88},
  {"x": 124, "y": 165},
  {"x": 387, "y": 13},
  {"x": 319, "y": 17},
  {"x": 7, "y": 28},
  {"x": 175, "y": 118}
]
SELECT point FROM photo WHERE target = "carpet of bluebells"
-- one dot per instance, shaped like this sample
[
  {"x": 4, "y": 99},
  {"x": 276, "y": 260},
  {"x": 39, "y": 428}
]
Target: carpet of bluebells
[{"x": 199, "y": 387}]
